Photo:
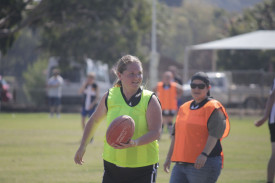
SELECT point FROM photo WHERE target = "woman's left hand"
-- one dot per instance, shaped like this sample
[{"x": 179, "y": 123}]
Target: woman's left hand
[
  {"x": 131, "y": 143},
  {"x": 200, "y": 161}
]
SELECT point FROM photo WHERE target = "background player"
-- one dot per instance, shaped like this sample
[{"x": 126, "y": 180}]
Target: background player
[
  {"x": 270, "y": 113},
  {"x": 90, "y": 97},
  {"x": 168, "y": 92}
]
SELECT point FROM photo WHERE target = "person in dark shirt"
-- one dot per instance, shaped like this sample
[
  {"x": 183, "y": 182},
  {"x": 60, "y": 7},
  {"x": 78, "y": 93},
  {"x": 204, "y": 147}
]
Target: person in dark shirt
[
  {"x": 270, "y": 115},
  {"x": 90, "y": 93}
]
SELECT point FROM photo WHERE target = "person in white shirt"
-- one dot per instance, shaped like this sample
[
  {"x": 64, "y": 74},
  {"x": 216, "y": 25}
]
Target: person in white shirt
[{"x": 54, "y": 87}]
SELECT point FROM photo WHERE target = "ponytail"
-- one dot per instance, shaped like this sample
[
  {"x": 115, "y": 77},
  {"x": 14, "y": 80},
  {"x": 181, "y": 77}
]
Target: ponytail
[{"x": 118, "y": 83}]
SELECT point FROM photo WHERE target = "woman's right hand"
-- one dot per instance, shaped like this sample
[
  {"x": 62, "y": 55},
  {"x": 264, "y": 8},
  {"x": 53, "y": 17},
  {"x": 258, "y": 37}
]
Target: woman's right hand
[
  {"x": 166, "y": 165},
  {"x": 259, "y": 122},
  {"x": 78, "y": 158}
]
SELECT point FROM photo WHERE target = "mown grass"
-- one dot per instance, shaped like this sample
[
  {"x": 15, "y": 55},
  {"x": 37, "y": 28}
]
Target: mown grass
[{"x": 36, "y": 149}]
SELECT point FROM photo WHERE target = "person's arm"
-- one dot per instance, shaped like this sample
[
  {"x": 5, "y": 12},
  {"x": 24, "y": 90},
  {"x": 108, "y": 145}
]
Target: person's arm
[
  {"x": 81, "y": 90},
  {"x": 50, "y": 84},
  {"x": 268, "y": 107},
  {"x": 59, "y": 82},
  {"x": 216, "y": 126},
  {"x": 179, "y": 90},
  {"x": 96, "y": 97},
  {"x": 167, "y": 162},
  {"x": 210, "y": 144},
  {"x": 154, "y": 120},
  {"x": 90, "y": 129}
]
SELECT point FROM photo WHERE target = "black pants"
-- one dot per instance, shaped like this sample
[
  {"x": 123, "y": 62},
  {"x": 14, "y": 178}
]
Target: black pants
[
  {"x": 272, "y": 131},
  {"x": 115, "y": 174}
]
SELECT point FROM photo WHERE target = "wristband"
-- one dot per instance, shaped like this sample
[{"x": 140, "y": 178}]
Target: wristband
[{"x": 203, "y": 153}]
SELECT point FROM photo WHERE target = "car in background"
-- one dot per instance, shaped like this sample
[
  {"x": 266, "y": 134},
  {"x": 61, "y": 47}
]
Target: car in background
[{"x": 234, "y": 89}]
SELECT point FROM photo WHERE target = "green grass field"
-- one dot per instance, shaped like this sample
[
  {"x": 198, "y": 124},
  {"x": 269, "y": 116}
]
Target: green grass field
[{"x": 35, "y": 148}]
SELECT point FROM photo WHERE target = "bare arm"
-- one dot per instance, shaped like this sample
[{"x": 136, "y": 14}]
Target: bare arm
[
  {"x": 268, "y": 107},
  {"x": 59, "y": 83},
  {"x": 167, "y": 162},
  {"x": 53, "y": 85},
  {"x": 96, "y": 98},
  {"x": 81, "y": 90},
  {"x": 90, "y": 129},
  {"x": 216, "y": 126},
  {"x": 210, "y": 144},
  {"x": 154, "y": 120},
  {"x": 179, "y": 90}
]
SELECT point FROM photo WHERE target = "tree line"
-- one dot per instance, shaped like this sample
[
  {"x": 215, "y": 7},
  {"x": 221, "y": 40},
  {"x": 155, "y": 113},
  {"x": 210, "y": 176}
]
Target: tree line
[{"x": 105, "y": 30}]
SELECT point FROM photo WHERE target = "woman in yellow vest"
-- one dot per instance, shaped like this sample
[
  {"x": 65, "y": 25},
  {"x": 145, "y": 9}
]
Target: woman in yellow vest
[
  {"x": 200, "y": 126},
  {"x": 136, "y": 161},
  {"x": 168, "y": 93}
]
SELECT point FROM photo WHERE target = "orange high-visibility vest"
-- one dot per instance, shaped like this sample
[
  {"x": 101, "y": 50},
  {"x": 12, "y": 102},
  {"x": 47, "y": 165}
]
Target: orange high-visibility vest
[
  {"x": 191, "y": 131},
  {"x": 167, "y": 97}
]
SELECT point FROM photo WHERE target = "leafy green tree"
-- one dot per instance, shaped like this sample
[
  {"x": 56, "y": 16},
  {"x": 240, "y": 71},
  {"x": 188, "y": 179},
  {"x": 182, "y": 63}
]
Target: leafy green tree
[
  {"x": 104, "y": 30},
  {"x": 34, "y": 82},
  {"x": 12, "y": 13},
  {"x": 192, "y": 23},
  {"x": 73, "y": 29},
  {"x": 23, "y": 53},
  {"x": 261, "y": 17}
]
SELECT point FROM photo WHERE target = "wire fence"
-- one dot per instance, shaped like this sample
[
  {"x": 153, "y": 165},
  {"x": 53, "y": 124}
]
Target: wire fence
[{"x": 35, "y": 99}]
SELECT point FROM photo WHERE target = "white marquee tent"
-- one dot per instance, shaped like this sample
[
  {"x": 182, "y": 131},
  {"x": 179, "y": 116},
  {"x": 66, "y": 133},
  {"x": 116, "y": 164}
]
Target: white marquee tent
[{"x": 258, "y": 40}]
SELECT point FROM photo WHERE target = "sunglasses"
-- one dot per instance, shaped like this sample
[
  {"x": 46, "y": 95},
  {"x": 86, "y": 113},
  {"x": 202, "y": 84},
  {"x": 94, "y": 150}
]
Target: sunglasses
[{"x": 200, "y": 86}]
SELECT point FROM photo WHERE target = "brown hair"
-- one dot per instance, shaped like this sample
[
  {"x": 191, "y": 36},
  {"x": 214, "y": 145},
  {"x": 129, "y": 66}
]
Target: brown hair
[
  {"x": 91, "y": 74},
  {"x": 121, "y": 66}
]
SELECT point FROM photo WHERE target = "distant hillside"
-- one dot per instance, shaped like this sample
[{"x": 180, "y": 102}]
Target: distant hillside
[{"x": 233, "y": 5}]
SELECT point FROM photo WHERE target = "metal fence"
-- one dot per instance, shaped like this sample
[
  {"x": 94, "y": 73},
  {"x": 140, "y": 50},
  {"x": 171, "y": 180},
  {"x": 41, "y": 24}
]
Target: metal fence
[{"x": 36, "y": 99}]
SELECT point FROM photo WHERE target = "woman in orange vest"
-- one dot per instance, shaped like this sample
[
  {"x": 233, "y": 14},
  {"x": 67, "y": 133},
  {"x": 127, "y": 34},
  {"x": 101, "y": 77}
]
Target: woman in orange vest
[
  {"x": 168, "y": 92},
  {"x": 200, "y": 126}
]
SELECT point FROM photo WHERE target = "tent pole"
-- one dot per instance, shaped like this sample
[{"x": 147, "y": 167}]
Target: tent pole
[
  {"x": 154, "y": 55},
  {"x": 185, "y": 64},
  {"x": 214, "y": 60}
]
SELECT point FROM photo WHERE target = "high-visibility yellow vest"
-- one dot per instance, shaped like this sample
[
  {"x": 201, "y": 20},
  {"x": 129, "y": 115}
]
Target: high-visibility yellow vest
[{"x": 138, "y": 156}]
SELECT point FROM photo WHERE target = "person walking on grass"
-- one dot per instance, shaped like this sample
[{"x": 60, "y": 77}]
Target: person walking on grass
[
  {"x": 54, "y": 87},
  {"x": 270, "y": 113},
  {"x": 195, "y": 146},
  {"x": 90, "y": 93},
  {"x": 168, "y": 92},
  {"x": 137, "y": 160},
  {"x": 177, "y": 79}
]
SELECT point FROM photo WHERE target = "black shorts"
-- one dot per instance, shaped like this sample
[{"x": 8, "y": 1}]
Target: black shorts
[
  {"x": 272, "y": 131},
  {"x": 169, "y": 112},
  {"x": 115, "y": 174},
  {"x": 54, "y": 101}
]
